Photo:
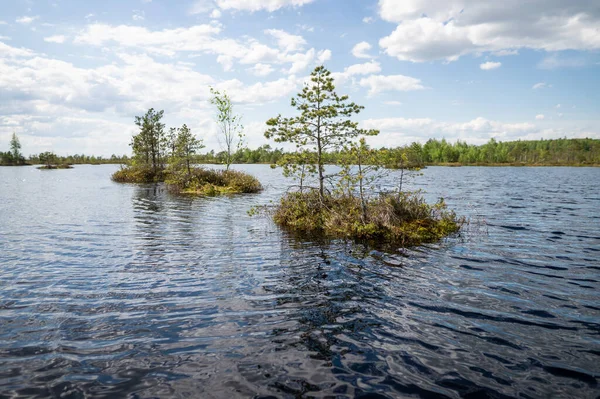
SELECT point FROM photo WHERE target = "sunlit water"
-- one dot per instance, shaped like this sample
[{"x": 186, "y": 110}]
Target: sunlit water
[{"x": 110, "y": 290}]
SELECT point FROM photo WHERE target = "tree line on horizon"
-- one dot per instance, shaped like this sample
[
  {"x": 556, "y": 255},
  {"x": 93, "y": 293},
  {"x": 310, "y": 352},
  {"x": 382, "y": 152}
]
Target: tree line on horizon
[{"x": 561, "y": 151}]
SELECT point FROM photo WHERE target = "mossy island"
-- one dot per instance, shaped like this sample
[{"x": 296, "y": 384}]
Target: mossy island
[
  {"x": 59, "y": 166},
  {"x": 344, "y": 202},
  {"x": 161, "y": 156},
  {"x": 51, "y": 161}
]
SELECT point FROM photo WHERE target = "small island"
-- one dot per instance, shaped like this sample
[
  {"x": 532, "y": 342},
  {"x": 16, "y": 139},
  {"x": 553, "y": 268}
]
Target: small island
[
  {"x": 159, "y": 156},
  {"x": 346, "y": 203}
]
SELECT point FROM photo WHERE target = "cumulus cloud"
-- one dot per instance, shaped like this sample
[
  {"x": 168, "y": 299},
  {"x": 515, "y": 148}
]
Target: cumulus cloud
[
  {"x": 367, "y": 68},
  {"x": 361, "y": 49},
  {"x": 51, "y": 101},
  {"x": 539, "y": 117},
  {"x": 205, "y": 39},
  {"x": 448, "y": 29},
  {"x": 286, "y": 41},
  {"x": 486, "y": 66},
  {"x": 261, "y": 69},
  {"x": 323, "y": 56},
  {"x": 380, "y": 83}
]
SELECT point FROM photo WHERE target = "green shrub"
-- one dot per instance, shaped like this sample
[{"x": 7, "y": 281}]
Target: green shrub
[
  {"x": 212, "y": 182},
  {"x": 137, "y": 174},
  {"x": 404, "y": 219}
]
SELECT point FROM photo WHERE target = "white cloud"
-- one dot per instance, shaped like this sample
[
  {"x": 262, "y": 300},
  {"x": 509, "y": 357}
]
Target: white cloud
[
  {"x": 202, "y": 6},
  {"x": 554, "y": 61},
  {"x": 286, "y": 41},
  {"x": 368, "y": 20},
  {"x": 204, "y": 39},
  {"x": 51, "y": 101},
  {"x": 323, "y": 56},
  {"x": 138, "y": 16},
  {"x": 486, "y": 66},
  {"x": 360, "y": 50},
  {"x": 306, "y": 28},
  {"x": 398, "y": 131},
  {"x": 380, "y": 83},
  {"x": 261, "y": 92},
  {"x": 541, "y": 85},
  {"x": 215, "y": 14},
  {"x": 26, "y": 20},
  {"x": 394, "y": 103},
  {"x": 367, "y": 68},
  {"x": 55, "y": 39},
  {"x": 539, "y": 117},
  {"x": 261, "y": 69},
  {"x": 557, "y": 106},
  {"x": 448, "y": 29}
]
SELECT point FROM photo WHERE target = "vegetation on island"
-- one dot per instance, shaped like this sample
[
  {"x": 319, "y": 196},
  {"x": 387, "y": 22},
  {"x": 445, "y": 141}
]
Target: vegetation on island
[
  {"x": 343, "y": 202},
  {"x": 49, "y": 160},
  {"x": 14, "y": 156},
  {"x": 160, "y": 156}
]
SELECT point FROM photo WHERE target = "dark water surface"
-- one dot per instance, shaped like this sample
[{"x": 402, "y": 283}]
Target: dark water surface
[{"x": 111, "y": 290}]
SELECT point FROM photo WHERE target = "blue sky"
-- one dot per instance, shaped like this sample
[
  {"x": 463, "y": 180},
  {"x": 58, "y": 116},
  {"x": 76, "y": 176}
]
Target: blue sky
[{"x": 73, "y": 74}]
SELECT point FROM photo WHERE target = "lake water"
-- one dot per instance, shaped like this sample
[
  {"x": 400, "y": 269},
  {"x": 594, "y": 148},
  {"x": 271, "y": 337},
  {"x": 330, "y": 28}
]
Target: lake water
[{"x": 110, "y": 290}]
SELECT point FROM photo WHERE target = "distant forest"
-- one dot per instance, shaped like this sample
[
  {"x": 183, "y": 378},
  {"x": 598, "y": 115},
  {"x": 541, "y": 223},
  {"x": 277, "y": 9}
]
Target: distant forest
[{"x": 567, "y": 152}]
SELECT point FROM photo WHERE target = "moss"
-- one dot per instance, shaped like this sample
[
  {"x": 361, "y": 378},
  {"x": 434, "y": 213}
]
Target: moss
[
  {"x": 212, "y": 182},
  {"x": 138, "y": 174},
  {"x": 404, "y": 219}
]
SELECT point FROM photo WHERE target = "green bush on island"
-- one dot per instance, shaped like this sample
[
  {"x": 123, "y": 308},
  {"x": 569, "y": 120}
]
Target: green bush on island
[
  {"x": 352, "y": 208},
  {"x": 402, "y": 218},
  {"x": 168, "y": 157},
  {"x": 59, "y": 166},
  {"x": 212, "y": 182},
  {"x": 51, "y": 161},
  {"x": 138, "y": 174}
]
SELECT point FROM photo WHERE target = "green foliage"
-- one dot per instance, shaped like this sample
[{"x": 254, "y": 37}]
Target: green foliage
[
  {"x": 150, "y": 144},
  {"x": 403, "y": 219},
  {"x": 232, "y": 137},
  {"x": 539, "y": 152},
  {"x": 184, "y": 146},
  {"x": 212, "y": 182},
  {"x": 138, "y": 174},
  {"x": 14, "y": 156},
  {"x": 323, "y": 132},
  {"x": 323, "y": 125}
]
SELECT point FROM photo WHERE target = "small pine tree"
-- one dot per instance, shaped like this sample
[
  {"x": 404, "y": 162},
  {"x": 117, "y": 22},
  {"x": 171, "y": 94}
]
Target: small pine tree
[{"x": 324, "y": 122}]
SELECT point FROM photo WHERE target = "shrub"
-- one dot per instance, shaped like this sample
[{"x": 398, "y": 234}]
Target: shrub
[
  {"x": 137, "y": 174},
  {"x": 212, "y": 182},
  {"x": 404, "y": 219}
]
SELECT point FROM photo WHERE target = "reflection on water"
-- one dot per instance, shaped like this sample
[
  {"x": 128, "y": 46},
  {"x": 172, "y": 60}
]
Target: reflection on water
[{"x": 111, "y": 290}]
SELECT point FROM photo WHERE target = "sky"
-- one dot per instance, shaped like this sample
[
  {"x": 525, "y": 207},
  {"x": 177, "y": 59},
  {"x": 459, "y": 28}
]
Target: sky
[{"x": 74, "y": 74}]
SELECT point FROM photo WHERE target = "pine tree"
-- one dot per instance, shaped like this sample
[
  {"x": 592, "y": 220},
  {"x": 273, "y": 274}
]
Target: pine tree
[{"x": 324, "y": 123}]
